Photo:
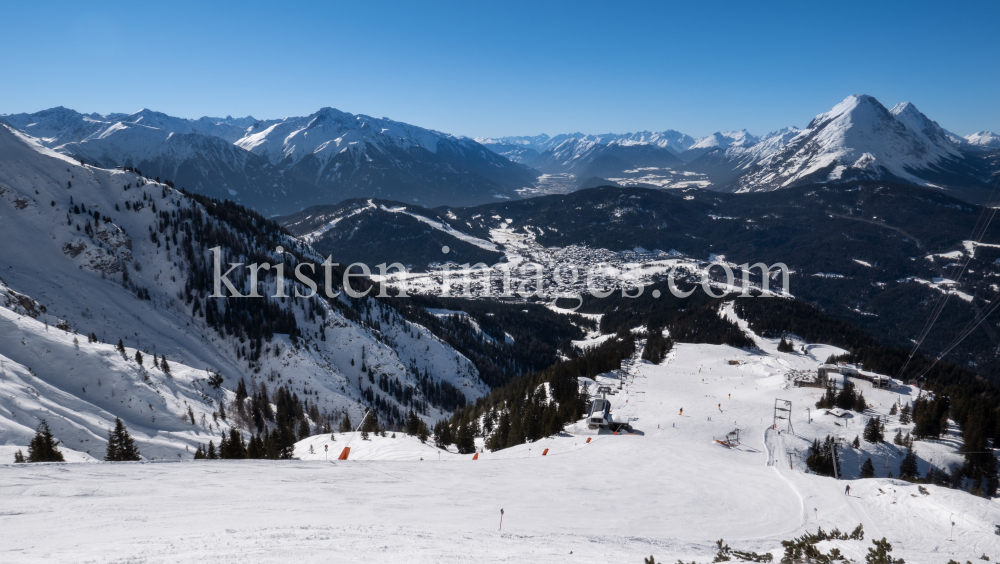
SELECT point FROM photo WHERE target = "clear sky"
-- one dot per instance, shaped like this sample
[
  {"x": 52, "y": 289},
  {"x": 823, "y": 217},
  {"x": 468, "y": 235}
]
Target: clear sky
[{"x": 507, "y": 68}]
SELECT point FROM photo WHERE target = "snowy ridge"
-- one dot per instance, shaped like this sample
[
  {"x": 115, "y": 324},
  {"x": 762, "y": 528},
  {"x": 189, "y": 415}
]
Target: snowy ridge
[
  {"x": 857, "y": 139},
  {"x": 986, "y": 139},
  {"x": 69, "y": 273}
]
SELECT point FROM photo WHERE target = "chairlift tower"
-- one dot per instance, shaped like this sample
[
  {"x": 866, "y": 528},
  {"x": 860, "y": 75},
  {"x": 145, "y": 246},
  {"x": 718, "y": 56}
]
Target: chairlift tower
[{"x": 783, "y": 410}]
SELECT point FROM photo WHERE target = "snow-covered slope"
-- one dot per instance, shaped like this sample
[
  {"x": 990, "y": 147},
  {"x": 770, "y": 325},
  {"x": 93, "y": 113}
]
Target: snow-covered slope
[
  {"x": 669, "y": 491},
  {"x": 719, "y": 140},
  {"x": 858, "y": 139},
  {"x": 58, "y": 253},
  {"x": 986, "y": 139}
]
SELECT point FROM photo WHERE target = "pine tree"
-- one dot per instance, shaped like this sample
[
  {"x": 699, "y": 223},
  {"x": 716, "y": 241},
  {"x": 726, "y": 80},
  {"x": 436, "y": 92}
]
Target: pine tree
[
  {"x": 121, "y": 446},
  {"x": 423, "y": 433},
  {"x": 121, "y": 346},
  {"x": 857, "y": 442},
  {"x": 829, "y": 399},
  {"x": 784, "y": 346},
  {"x": 19, "y": 457},
  {"x": 908, "y": 467},
  {"x": 868, "y": 469},
  {"x": 847, "y": 396},
  {"x": 893, "y": 411},
  {"x": 881, "y": 554},
  {"x": 138, "y": 357},
  {"x": 873, "y": 431},
  {"x": 164, "y": 366},
  {"x": 211, "y": 454},
  {"x": 43, "y": 448},
  {"x": 412, "y": 423},
  {"x": 199, "y": 454},
  {"x": 904, "y": 414},
  {"x": 466, "y": 441},
  {"x": 241, "y": 391},
  {"x": 156, "y": 361},
  {"x": 345, "y": 424},
  {"x": 304, "y": 431},
  {"x": 859, "y": 404},
  {"x": 898, "y": 438}
]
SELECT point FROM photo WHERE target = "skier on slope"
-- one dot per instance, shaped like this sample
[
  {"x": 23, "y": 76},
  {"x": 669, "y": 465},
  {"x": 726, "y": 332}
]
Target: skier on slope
[{"x": 847, "y": 490}]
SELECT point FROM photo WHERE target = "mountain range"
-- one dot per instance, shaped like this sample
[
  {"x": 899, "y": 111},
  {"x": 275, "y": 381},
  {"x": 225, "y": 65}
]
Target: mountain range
[
  {"x": 857, "y": 139},
  {"x": 282, "y": 166}
]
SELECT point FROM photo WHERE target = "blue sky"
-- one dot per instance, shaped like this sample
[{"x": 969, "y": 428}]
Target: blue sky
[{"x": 507, "y": 68}]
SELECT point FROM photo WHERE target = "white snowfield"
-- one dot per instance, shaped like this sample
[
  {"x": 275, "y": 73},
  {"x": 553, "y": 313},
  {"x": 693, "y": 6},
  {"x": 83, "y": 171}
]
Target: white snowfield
[{"x": 669, "y": 490}]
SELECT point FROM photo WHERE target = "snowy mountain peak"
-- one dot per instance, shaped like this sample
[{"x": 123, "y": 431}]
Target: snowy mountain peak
[
  {"x": 858, "y": 139},
  {"x": 984, "y": 139},
  {"x": 726, "y": 139},
  {"x": 929, "y": 131}
]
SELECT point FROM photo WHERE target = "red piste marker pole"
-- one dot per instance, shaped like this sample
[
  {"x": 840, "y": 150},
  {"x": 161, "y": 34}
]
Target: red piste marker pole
[{"x": 501, "y": 519}]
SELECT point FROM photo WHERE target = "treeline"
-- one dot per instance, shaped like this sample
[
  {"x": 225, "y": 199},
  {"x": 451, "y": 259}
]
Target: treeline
[
  {"x": 538, "y": 334},
  {"x": 535, "y": 405},
  {"x": 694, "y": 319}
]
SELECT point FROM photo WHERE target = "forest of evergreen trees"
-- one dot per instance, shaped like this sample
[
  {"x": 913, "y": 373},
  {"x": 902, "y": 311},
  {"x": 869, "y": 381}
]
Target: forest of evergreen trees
[{"x": 534, "y": 405}]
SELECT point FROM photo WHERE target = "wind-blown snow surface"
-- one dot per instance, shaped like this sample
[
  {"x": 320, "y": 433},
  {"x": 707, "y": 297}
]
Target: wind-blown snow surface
[
  {"x": 669, "y": 490},
  {"x": 53, "y": 273}
]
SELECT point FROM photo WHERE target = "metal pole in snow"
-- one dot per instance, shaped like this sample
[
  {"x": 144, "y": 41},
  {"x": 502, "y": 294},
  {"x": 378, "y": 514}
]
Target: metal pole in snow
[{"x": 501, "y": 519}]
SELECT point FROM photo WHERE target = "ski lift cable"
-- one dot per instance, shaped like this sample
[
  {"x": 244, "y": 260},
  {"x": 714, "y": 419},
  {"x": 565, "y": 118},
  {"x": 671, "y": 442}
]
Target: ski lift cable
[
  {"x": 982, "y": 224},
  {"x": 943, "y": 300},
  {"x": 969, "y": 328}
]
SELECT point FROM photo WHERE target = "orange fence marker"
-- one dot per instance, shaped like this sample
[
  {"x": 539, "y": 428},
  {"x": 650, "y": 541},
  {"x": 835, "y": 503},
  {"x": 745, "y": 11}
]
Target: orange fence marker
[
  {"x": 344, "y": 453},
  {"x": 588, "y": 439},
  {"x": 475, "y": 456},
  {"x": 544, "y": 452}
]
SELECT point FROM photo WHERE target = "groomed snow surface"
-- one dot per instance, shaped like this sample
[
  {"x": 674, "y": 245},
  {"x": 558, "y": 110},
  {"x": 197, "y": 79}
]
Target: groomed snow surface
[{"x": 669, "y": 490}]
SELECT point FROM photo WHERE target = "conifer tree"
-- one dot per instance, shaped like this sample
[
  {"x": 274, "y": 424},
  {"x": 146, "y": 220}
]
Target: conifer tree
[
  {"x": 211, "y": 454},
  {"x": 19, "y": 457},
  {"x": 868, "y": 469},
  {"x": 121, "y": 446},
  {"x": 898, "y": 438},
  {"x": 138, "y": 357},
  {"x": 412, "y": 423},
  {"x": 164, "y": 366},
  {"x": 304, "y": 431},
  {"x": 345, "y": 424},
  {"x": 43, "y": 447},
  {"x": 199, "y": 453},
  {"x": 905, "y": 414},
  {"x": 893, "y": 411},
  {"x": 873, "y": 431},
  {"x": 881, "y": 554},
  {"x": 859, "y": 403},
  {"x": 908, "y": 467},
  {"x": 857, "y": 442},
  {"x": 466, "y": 441},
  {"x": 784, "y": 346},
  {"x": 121, "y": 346},
  {"x": 241, "y": 391}
]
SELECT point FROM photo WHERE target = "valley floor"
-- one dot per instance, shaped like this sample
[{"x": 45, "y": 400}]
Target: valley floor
[{"x": 670, "y": 491}]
